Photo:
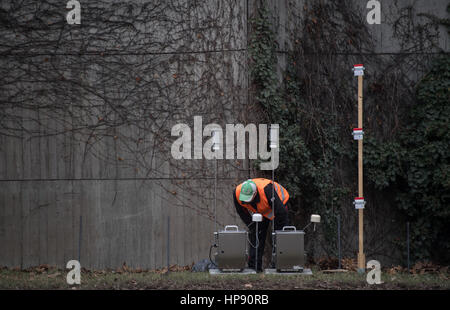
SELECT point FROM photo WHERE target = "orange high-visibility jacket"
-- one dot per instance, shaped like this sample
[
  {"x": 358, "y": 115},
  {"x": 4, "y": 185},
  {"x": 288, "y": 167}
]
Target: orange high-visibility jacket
[{"x": 264, "y": 205}]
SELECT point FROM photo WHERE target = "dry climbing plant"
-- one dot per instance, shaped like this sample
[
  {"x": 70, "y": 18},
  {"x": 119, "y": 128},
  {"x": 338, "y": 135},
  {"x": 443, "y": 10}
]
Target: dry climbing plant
[{"x": 111, "y": 88}]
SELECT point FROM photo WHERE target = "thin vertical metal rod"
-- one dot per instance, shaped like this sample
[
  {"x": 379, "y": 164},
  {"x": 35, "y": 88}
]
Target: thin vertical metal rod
[
  {"x": 407, "y": 243},
  {"x": 80, "y": 234},
  {"x": 273, "y": 197},
  {"x": 339, "y": 239},
  {"x": 256, "y": 248},
  {"x": 273, "y": 211},
  {"x": 215, "y": 194},
  {"x": 168, "y": 243}
]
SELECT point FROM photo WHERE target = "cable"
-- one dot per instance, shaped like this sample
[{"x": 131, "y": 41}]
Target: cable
[
  {"x": 248, "y": 239},
  {"x": 210, "y": 259},
  {"x": 109, "y": 179},
  {"x": 256, "y": 244},
  {"x": 118, "y": 53}
]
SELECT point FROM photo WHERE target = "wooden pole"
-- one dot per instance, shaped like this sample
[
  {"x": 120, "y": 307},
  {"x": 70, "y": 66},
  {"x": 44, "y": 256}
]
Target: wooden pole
[{"x": 361, "y": 256}]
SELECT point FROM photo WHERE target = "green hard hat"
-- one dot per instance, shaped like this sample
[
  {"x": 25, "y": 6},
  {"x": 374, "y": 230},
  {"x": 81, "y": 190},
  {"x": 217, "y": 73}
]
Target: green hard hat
[{"x": 248, "y": 191}]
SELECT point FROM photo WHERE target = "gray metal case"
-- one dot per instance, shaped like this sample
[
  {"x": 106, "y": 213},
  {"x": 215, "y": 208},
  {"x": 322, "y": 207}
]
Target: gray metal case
[
  {"x": 290, "y": 255},
  {"x": 232, "y": 249}
]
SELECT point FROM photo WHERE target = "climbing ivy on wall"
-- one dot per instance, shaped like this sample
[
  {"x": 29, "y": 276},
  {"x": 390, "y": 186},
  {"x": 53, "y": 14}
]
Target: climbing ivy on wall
[
  {"x": 315, "y": 150},
  {"x": 306, "y": 162},
  {"x": 417, "y": 165},
  {"x": 427, "y": 164}
]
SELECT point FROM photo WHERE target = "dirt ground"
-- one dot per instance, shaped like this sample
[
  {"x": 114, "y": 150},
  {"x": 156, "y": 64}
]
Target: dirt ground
[{"x": 44, "y": 277}]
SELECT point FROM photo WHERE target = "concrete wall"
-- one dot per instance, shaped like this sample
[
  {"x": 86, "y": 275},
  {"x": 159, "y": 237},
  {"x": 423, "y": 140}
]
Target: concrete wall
[
  {"x": 65, "y": 193},
  {"x": 73, "y": 189}
]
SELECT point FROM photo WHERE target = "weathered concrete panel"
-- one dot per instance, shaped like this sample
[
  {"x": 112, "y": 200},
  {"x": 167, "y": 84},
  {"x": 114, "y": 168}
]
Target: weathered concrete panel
[{"x": 119, "y": 180}]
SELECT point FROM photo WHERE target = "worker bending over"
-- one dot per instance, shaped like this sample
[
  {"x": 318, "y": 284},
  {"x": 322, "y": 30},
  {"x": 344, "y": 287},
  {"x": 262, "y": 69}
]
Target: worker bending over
[{"x": 255, "y": 196}]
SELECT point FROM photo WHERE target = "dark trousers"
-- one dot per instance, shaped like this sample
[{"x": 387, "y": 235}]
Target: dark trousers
[{"x": 281, "y": 220}]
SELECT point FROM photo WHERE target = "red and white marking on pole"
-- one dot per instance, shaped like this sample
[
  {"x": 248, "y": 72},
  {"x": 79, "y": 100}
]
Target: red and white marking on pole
[
  {"x": 358, "y": 69},
  {"x": 359, "y": 203},
  {"x": 358, "y": 133}
]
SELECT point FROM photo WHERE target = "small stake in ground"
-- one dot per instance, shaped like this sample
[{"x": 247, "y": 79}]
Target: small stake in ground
[{"x": 359, "y": 203}]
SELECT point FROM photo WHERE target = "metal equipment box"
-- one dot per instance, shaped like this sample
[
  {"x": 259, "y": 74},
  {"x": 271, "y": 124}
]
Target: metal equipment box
[
  {"x": 290, "y": 252},
  {"x": 231, "y": 252}
]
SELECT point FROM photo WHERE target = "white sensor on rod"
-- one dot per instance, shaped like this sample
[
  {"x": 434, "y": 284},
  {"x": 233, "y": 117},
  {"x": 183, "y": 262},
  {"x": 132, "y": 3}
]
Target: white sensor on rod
[{"x": 273, "y": 135}]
